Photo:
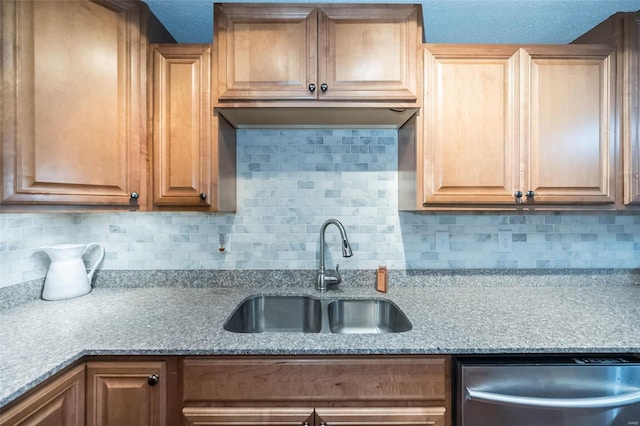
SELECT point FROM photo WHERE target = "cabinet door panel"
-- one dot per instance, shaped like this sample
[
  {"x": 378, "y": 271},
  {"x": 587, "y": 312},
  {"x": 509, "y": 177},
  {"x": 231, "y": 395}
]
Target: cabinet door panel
[
  {"x": 118, "y": 394},
  {"x": 631, "y": 110},
  {"x": 266, "y": 52},
  {"x": 570, "y": 137},
  {"x": 368, "y": 53},
  {"x": 182, "y": 125},
  {"x": 72, "y": 124},
  {"x": 247, "y": 416},
  {"x": 283, "y": 379},
  {"x": 58, "y": 403},
  {"x": 471, "y": 152},
  {"x": 403, "y": 416}
]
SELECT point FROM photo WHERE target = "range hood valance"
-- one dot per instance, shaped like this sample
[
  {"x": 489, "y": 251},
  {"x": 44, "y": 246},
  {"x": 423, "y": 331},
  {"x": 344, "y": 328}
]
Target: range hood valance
[{"x": 323, "y": 117}]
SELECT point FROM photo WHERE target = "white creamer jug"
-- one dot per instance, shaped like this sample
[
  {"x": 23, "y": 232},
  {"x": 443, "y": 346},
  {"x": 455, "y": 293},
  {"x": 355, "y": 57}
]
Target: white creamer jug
[{"x": 67, "y": 276}]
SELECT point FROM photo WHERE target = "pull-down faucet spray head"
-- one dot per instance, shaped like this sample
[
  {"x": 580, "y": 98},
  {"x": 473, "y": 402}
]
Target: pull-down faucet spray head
[{"x": 346, "y": 247}]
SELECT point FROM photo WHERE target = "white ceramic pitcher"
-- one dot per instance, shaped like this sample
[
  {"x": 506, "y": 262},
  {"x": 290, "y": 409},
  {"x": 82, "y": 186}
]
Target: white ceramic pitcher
[{"x": 67, "y": 276}]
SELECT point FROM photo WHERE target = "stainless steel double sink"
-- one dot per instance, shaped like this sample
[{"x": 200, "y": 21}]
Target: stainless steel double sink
[{"x": 306, "y": 314}]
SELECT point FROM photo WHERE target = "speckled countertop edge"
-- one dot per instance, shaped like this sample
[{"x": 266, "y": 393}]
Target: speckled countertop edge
[{"x": 480, "y": 314}]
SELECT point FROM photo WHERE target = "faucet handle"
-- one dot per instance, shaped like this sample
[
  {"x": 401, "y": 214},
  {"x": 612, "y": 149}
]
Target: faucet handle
[{"x": 339, "y": 278}]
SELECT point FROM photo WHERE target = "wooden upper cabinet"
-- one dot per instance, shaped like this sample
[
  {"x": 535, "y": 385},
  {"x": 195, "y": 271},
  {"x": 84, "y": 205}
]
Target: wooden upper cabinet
[
  {"x": 471, "y": 124},
  {"x": 302, "y": 52},
  {"x": 368, "y": 52},
  {"x": 182, "y": 125},
  {"x": 631, "y": 109},
  {"x": 505, "y": 125},
  {"x": 568, "y": 132},
  {"x": 59, "y": 402},
  {"x": 193, "y": 151},
  {"x": 622, "y": 30},
  {"x": 266, "y": 52},
  {"x": 72, "y": 118}
]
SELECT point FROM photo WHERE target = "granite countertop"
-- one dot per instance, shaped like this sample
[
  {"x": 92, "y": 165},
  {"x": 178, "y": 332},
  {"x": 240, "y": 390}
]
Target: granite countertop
[{"x": 39, "y": 338}]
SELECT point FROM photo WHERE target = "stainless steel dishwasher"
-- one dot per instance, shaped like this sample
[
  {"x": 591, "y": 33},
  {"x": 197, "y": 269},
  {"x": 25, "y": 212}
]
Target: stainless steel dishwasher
[{"x": 548, "y": 392}]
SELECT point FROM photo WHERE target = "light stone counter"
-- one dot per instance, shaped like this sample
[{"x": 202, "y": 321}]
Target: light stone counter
[{"x": 39, "y": 338}]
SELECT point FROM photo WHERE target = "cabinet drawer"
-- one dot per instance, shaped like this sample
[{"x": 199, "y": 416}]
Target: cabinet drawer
[
  {"x": 248, "y": 416},
  {"x": 340, "y": 378}
]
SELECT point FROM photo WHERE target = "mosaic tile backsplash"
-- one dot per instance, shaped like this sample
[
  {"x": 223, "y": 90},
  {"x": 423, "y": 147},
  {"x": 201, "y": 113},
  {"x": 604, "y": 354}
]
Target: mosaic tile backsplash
[{"x": 289, "y": 183}]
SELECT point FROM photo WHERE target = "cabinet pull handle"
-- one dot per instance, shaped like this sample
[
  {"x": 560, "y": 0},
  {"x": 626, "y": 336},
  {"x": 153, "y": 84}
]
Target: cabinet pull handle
[
  {"x": 324, "y": 87},
  {"x": 203, "y": 196},
  {"x": 312, "y": 87},
  {"x": 518, "y": 197},
  {"x": 153, "y": 379},
  {"x": 530, "y": 194},
  {"x": 135, "y": 195}
]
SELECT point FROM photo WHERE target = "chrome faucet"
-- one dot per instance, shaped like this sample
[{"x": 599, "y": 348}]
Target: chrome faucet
[{"x": 324, "y": 277}]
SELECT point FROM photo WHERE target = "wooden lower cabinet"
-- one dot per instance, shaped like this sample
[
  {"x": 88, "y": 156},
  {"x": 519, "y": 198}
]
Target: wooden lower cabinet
[
  {"x": 242, "y": 391},
  {"x": 401, "y": 416},
  {"x": 361, "y": 416},
  {"x": 60, "y": 402},
  {"x": 337, "y": 390},
  {"x": 248, "y": 416},
  {"x": 126, "y": 393}
]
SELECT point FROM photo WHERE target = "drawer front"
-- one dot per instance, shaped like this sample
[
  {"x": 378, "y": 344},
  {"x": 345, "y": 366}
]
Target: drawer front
[{"x": 339, "y": 378}]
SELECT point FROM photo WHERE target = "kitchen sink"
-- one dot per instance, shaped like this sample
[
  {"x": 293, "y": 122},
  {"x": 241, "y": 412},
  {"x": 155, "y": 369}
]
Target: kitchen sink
[
  {"x": 366, "y": 316},
  {"x": 259, "y": 314},
  {"x": 306, "y": 314}
]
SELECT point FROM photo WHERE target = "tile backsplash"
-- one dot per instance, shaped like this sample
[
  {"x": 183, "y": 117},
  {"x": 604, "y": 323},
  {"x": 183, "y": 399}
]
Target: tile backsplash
[{"x": 289, "y": 183}]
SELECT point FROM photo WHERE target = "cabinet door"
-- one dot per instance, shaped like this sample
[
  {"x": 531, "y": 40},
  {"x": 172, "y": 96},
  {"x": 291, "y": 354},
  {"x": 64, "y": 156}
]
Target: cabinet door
[
  {"x": 631, "y": 109},
  {"x": 248, "y": 416},
  {"x": 368, "y": 52},
  {"x": 124, "y": 393},
  {"x": 71, "y": 120},
  {"x": 60, "y": 402},
  {"x": 182, "y": 125},
  {"x": 397, "y": 416},
  {"x": 569, "y": 133},
  {"x": 266, "y": 52},
  {"x": 471, "y": 151}
]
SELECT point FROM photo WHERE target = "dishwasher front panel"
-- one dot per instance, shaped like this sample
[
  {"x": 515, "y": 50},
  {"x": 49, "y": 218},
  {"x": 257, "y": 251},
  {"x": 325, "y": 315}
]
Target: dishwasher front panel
[{"x": 573, "y": 392}]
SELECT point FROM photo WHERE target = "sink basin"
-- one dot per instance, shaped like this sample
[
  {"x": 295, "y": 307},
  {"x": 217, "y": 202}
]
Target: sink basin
[
  {"x": 366, "y": 316},
  {"x": 260, "y": 314},
  {"x": 305, "y": 314}
]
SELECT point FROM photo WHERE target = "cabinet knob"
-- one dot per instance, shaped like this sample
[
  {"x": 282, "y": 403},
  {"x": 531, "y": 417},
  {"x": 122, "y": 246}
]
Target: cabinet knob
[
  {"x": 203, "y": 196},
  {"x": 324, "y": 87},
  {"x": 312, "y": 87},
  {"x": 518, "y": 196},
  {"x": 323, "y": 423},
  {"x": 530, "y": 194},
  {"x": 153, "y": 379},
  {"x": 135, "y": 195},
  {"x": 305, "y": 423}
]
